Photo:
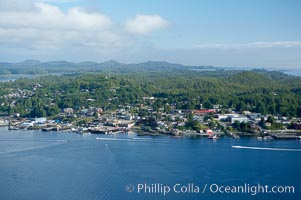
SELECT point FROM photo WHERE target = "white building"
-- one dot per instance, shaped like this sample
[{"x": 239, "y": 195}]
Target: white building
[
  {"x": 239, "y": 119},
  {"x": 41, "y": 120},
  {"x": 223, "y": 117}
]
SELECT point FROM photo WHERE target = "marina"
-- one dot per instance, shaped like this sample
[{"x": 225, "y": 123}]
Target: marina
[{"x": 126, "y": 126}]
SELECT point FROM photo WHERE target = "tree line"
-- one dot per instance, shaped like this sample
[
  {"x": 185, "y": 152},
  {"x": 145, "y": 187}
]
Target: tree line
[{"x": 257, "y": 91}]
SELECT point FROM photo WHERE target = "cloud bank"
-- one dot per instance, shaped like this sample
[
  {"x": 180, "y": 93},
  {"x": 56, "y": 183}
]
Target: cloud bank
[
  {"x": 16, "y": 5},
  {"x": 39, "y": 25}
]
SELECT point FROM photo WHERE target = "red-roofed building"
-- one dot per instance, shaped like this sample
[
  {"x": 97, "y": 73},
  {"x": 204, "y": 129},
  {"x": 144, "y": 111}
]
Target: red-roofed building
[
  {"x": 209, "y": 131},
  {"x": 203, "y": 112}
]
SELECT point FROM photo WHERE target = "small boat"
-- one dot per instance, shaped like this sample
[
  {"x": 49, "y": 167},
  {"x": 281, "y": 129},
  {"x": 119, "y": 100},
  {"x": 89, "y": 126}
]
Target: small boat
[
  {"x": 267, "y": 138},
  {"x": 214, "y": 137},
  {"x": 236, "y": 136},
  {"x": 82, "y": 130},
  {"x": 13, "y": 128},
  {"x": 47, "y": 129},
  {"x": 4, "y": 123}
]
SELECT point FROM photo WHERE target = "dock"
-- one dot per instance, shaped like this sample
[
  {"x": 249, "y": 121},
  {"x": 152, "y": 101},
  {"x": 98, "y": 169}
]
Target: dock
[
  {"x": 285, "y": 137},
  {"x": 104, "y": 130}
]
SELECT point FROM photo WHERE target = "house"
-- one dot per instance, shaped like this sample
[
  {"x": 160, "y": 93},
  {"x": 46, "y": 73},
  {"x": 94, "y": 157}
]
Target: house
[
  {"x": 126, "y": 123},
  {"x": 148, "y": 98},
  {"x": 40, "y": 120},
  {"x": 128, "y": 117},
  {"x": 239, "y": 119},
  {"x": 16, "y": 114},
  {"x": 222, "y": 117},
  {"x": 68, "y": 110}
]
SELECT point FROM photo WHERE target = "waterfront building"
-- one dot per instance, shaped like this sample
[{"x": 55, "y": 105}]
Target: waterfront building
[{"x": 239, "y": 119}]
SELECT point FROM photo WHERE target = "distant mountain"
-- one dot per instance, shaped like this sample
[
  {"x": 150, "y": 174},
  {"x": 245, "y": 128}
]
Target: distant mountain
[
  {"x": 164, "y": 64},
  {"x": 58, "y": 64},
  {"x": 30, "y": 61},
  {"x": 37, "y": 67},
  {"x": 27, "y": 63},
  {"x": 87, "y": 64},
  {"x": 115, "y": 67},
  {"x": 112, "y": 63}
]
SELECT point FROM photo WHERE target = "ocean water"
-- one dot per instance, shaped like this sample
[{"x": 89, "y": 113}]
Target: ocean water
[
  {"x": 13, "y": 77},
  {"x": 292, "y": 72},
  {"x": 36, "y": 165}
]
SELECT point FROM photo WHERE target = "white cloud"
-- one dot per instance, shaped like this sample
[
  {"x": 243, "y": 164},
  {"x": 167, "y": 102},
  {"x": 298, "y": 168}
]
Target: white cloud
[
  {"x": 34, "y": 27},
  {"x": 46, "y": 16},
  {"x": 37, "y": 25},
  {"x": 144, "y": 24},
  {"x": 251, "y": 45}
]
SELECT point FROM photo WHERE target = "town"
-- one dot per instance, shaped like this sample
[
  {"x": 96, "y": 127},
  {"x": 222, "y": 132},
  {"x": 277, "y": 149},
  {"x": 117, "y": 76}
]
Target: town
[
  {"x": 209, "y": 104},
  {"x": 145, "y": 120}
]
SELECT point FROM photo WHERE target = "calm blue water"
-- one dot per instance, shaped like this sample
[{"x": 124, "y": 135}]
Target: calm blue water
[
  {"x": 36, "y": 165},
  {"x": 13, "y": 77}
]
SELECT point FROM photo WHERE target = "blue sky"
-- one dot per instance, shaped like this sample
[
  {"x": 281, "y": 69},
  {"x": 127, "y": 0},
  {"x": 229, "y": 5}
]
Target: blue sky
[{"x": 236, "y": 33}]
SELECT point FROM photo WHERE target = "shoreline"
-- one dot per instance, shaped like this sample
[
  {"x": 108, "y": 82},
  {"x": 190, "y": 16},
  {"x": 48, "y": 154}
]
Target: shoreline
[{"x": 140, "y": 132}]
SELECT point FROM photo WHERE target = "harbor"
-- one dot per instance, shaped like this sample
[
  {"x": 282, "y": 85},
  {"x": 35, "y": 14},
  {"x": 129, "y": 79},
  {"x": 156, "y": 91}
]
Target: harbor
[
  {"x": 36, "y": 163},
  {"x": 124, "y": 126}
]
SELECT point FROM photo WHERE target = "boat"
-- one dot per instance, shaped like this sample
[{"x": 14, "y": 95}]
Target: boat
[
  {"x": 82, "y": 130},
  {"x": 48, "y": 129},
  {"x": 233, "y": 135},
  {"x": 104, "y": 130},
  {"x": 236, "y": 136},
  {"x": 4, "y": 123},
  {"x": 267, "y": 138},
  {"x": 214, "y": 137},
  {"x": 13, "y": 128}
]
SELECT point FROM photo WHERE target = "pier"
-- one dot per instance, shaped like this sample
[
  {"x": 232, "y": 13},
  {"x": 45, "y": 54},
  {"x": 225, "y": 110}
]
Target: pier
[{"x": 285, "y": 135}]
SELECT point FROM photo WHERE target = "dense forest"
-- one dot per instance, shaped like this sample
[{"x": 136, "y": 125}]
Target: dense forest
[{"x": 259, "y": 91}]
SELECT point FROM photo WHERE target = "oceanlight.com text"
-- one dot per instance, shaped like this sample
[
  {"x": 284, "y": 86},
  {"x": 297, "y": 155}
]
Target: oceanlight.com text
[
  {"x": 192, "y": 188},
  {"x": 251, "y": 189}
]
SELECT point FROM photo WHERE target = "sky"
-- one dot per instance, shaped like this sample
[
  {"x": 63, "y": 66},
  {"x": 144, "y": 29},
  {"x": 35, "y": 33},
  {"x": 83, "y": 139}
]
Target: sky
[{"x": 231, "y": 33}]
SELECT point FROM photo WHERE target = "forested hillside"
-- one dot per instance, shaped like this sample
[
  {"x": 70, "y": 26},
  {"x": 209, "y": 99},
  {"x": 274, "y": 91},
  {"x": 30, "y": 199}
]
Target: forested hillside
[{"x": 257, "y": 91}]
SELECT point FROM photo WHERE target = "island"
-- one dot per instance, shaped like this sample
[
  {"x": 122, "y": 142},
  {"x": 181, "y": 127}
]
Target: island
[{"x": 156, "y": 98}]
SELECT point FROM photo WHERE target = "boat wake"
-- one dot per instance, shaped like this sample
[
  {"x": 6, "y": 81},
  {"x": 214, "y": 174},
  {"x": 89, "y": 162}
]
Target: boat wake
[
  {"x": 112, "y": 139},
  {"x": 148, "y": 139},
  {"x": 124, "y": 139},
  {"x": 263, "y": 148}
]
